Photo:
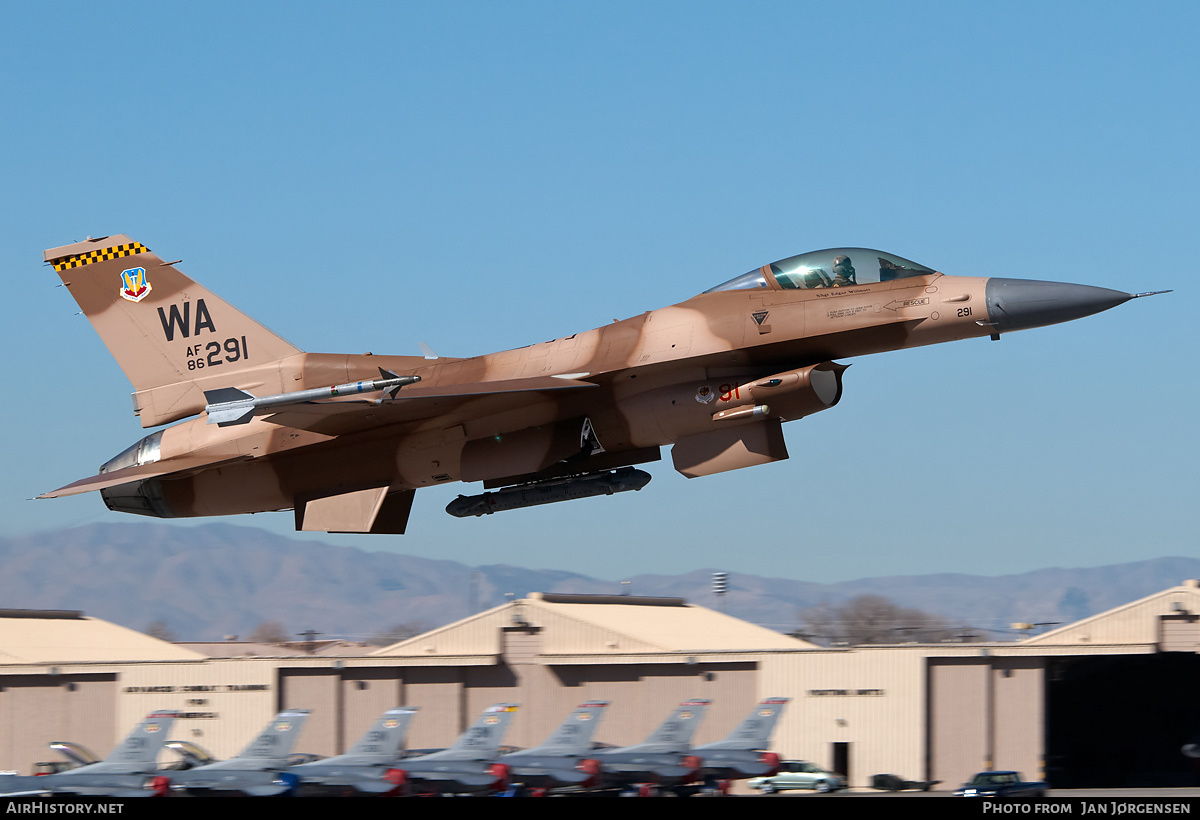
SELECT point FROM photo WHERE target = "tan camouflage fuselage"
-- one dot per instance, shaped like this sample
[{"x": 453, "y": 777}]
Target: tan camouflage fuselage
[{"x": 714, "y": 375}]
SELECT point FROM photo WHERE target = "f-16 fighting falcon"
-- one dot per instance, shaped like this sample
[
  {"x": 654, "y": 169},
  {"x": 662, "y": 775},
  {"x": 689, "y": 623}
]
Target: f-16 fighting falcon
[
  {"x": 663, "y": 758},
  {"x": 267, "y": 754},
  {"x": 743, "y": 753},
  {"x": 345, "y": 441},
  {"x": 468, "y": 766},
  {"x": 124, "y": 773},
  {"x": 361, "y": 769},
  {"x": 562, "y": 759}
]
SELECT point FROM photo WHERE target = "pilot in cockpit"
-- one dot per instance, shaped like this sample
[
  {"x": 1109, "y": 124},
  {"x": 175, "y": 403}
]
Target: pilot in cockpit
[{"x": 843, "y": 272}]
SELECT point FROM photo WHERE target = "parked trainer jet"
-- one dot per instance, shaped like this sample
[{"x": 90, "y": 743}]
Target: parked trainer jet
[
  {"x": 269, "y": 752},
  {"x": 467, "y": 766},
  {"x": 346, "y": 440},
  {"x": 563, "y": 759},
  {"x": 122, "y": 774}
]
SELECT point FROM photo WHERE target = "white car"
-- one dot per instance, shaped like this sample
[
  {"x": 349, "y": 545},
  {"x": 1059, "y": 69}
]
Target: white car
[{"x": 798, "y": 774}]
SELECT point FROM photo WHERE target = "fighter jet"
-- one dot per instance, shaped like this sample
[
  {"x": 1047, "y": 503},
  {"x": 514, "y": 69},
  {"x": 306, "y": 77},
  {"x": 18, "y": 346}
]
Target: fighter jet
[
  {"x": 563, "y": 759},
  {"x": 123, "y": 773},
  {"x": 346, "y": 440},
  {"x": 743, "y": 753},
  {"x": 267, "y": 753},
  {"x": 466, "y": 767},
  {"x": 363, "y": 768},
  {"x": 664, "y": 758}
]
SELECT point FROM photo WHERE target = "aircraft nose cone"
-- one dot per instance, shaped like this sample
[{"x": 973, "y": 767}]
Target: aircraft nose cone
[{"x": 1017, "y": 304}]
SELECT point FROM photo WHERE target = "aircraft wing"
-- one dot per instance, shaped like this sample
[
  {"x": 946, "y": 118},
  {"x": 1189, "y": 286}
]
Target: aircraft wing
[
  {"x": 16, "y": 785},
  {"x": 93, "y": 786},
  {"x": 139, "y": 472},
  {"x": 334, "y": 418},
  {"x": 121, "y": 792},
  {"x": 471, "y": 778},
  {"x": 243, "y": 780},
  {"x": 562, "y": 775}
]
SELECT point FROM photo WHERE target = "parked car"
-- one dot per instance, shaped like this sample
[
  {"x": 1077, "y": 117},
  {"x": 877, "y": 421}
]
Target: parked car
[
  {"x": 896, "y": 783},
  {"x": 798, "y": 774},
  {"x": 1001, "y": 784}
]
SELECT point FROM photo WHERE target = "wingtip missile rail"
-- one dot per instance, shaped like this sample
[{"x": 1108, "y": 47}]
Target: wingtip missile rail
[{"x": 229, "y": 405}]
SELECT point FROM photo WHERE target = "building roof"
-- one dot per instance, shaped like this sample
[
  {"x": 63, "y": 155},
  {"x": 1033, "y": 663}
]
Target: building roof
[
  {"x": 64, "y": 636},
  {"x": 288, "y": 649},
  {"x": 599, "y": 625},
  {"x": 1135, "y": 623}
]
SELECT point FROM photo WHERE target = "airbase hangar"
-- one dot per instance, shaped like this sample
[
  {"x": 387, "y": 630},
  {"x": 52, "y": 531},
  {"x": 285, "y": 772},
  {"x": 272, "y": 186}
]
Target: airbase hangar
[{"x": 1105, "y": 702}]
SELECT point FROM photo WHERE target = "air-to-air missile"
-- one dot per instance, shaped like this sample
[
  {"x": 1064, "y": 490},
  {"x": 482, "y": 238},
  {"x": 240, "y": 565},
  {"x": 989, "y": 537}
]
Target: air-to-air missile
[{"x": 228, "y": 405}]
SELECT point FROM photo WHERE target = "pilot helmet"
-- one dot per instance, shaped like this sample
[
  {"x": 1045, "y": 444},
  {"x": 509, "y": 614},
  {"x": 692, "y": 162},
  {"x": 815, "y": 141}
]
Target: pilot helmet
[{"x": 842, "y": 267}]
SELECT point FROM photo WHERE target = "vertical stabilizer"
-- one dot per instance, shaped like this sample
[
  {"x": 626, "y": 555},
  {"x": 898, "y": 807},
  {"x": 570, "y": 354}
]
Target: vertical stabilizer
[
  {"x": 140, "y": 749},
  {"x": 676, "y": 732},
  {"x": 164, "y": 330},
  {"x": 384, "y": 738},
  {"x": 277, "y": 740},
  {"x": 483, "y": 739},
  {"x": 753, "y": 733},
  {"x": 574, "y": 736}
]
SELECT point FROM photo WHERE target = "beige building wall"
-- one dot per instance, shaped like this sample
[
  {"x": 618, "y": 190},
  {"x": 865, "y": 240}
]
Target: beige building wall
[
  {"x": 59, "y": 707},
  {"x": 959, "y": 721},
  {"x": 871, "y": 699},
  {"x": 988, "y": 713},
  {"x": 365, "y": 695},
  {"x": 1180, "y": 633},
  {"x": 1019, "y": 690},
  {"x": 439, "y": 693},
  {"x": 644, "y": 695},
  {"x": 317, "y": 690},
  {"x": 89, "y": 713},
  {"x": 225, "y": 702},
  {"x": 30, "y": 710}
]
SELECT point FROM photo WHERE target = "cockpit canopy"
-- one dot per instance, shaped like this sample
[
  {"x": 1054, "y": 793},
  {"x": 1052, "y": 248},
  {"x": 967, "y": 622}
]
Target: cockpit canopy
[{"x": 832, "y": 268}]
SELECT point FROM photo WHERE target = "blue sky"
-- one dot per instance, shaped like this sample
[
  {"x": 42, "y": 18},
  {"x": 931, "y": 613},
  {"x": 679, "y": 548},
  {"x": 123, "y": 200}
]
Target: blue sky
[{"x": 480, "y": 176}]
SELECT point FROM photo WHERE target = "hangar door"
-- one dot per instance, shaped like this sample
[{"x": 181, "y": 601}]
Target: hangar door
[{"x": 1120, "y": 720}]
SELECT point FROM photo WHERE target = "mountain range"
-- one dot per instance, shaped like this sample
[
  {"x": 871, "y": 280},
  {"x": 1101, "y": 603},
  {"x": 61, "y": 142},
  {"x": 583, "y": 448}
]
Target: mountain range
[{"x": 211, "y": 581}]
